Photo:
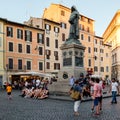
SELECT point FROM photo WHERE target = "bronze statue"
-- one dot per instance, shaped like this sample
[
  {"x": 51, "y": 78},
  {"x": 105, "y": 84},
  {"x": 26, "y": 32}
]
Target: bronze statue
[{"x": 74, "y": 26}]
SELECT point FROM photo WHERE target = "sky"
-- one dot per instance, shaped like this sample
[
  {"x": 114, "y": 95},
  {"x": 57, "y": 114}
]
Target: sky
[{"x": 102, "y": 11}]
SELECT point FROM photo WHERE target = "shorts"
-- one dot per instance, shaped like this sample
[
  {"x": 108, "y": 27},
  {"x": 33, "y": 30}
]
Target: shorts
[
  {"x": 9, "y": 93},
  {"x": 96, "y": 101},
  {"x": 100, "y": 99}
]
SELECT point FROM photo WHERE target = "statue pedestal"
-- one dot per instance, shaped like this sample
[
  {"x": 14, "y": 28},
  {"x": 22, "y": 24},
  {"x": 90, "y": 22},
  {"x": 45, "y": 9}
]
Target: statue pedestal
[{"x": 72, "y": 65}]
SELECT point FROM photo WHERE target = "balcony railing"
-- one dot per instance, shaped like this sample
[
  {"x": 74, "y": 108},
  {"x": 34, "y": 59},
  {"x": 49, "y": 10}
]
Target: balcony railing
[{"x": 15, "y": 68}]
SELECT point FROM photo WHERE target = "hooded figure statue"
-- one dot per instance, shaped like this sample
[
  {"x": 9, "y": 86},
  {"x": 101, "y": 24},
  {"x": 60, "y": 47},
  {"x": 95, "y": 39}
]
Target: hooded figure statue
[{"x": 74, "y": 26}]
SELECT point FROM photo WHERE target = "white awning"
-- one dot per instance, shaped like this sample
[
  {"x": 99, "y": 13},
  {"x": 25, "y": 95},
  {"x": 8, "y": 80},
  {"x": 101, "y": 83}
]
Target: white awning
[{"x": 32, "y": 73}]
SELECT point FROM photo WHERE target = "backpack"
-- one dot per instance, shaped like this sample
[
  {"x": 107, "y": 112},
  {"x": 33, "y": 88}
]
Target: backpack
[{"x": 74, "y": 94}]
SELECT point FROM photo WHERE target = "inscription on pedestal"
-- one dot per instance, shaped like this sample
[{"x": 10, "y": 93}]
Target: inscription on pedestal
[
  {"x": 79, "y": 61},
  {"x": 67, "y": 61}
]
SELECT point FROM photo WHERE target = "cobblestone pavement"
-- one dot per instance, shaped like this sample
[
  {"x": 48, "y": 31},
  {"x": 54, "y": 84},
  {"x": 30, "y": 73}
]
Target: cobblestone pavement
[{"x": 31, "y": 109}]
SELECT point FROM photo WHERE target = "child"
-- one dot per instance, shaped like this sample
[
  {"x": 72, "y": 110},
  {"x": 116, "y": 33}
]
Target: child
[{"x": 9, "y": 90}]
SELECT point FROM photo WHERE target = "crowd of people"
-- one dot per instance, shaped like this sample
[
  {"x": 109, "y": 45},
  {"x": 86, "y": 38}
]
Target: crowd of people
[
  {"x": 30, "y": 88},
  {"x": 36, "y": 88},
  {"x": 92, "y": 87}
]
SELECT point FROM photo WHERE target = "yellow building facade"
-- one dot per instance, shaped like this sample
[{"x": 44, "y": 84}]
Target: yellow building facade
[{"x": 112, "y": 37}]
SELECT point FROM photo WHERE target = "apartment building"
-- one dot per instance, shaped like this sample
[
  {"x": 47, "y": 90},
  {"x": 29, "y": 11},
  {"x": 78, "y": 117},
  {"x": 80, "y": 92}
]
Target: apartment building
[
  {"x": 22, "y": 49},
  {"x": 112, "y": 37},
  {"x": 102, "y": 58},
  {"x": 52, "y": 43}
]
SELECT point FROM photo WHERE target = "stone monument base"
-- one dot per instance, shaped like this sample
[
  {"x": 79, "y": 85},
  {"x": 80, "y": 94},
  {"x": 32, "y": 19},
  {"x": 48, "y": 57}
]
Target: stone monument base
[
  {"x": 59, "y": 88},
  {"x": 72, "y": 55}
]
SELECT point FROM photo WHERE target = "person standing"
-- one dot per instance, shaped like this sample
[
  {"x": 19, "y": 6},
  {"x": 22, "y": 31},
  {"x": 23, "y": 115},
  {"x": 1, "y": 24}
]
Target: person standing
[
  {"x": 77, "y": 101},
  {"x": 72, "y": 80},
  {"x": 114, "y": 88},
  {"x": 9, "y": 90}
]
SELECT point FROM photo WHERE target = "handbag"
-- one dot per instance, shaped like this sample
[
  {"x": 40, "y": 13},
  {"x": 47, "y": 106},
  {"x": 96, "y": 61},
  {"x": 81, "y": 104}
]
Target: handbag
[{"x": 75, "y": 94}]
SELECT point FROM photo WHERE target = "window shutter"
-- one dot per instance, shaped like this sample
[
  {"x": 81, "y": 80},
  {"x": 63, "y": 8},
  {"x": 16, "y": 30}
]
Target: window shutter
[
  {"x": 30, "y": 36},
  {"x": 37, "y": 37},
  {"x": 42, "y": 39},
  {"x": 25, "y": 35}
]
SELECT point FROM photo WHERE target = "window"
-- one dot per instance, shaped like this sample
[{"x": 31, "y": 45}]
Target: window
[
  {"x": 102, "y": 69},
  {"x": 63, "y": 25},
  {"x": 40, "y": 66},
  {"x": 101, "y": 51},
  {"x": 47, "y": 27},
  {"x": 95, "y": 41},
  {"x": 101, "y": 58},
  {"x": 10, "y": 46},
  {"x": 9, "y": 31},
  {"x": 27, "y": 48},
  {"x": 95, "y": 68},
  {"x": 56, "y": 29},
  {"x": 40, "y": 38},
  {"x": 48, "y": 65},
  {"x": 56, "y": 43},
  {"x": 95, "y": 57},
  {"x": 20, "y": 64},
  {"x": 40, "y": 51},
  {"x": 56, "y": 55},
  {"x": 88, "y": 29},
  {"x": 95, "y": 49},
  {"x": 10, "y": 63},
  {"x": 19, "y": 34},
  {"x": 28, "y": 35},
  {"x": 89, "y": 62},
  {"x": 89, "y": 50},
  {"x": 62, "y": 13},
  {"x": 82, "y": 27},
  {"x": 88, "y": 38},
  {"x": 28, "y": 65},
  {"x": 107, "y": 69},
  {"x": 56, "y": 66},
  {"x": 63, "y": 36},
  {"x": 20, "y": 48},
  {"x": 47, "y": 41},
  {"x": 82, "y": 37}
]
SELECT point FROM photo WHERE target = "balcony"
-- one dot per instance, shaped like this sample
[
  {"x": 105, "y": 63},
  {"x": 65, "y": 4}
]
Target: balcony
[{"x": 15, "y": 68}]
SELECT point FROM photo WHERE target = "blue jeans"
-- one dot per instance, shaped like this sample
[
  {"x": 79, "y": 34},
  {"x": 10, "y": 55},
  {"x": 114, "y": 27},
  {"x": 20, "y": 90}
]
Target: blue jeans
[{"x": 114, "y": 96}]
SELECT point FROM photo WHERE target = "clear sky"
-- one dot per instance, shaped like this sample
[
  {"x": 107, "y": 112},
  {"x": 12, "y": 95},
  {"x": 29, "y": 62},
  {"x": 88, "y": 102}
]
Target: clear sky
[{"x": 102, "y": 11}]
